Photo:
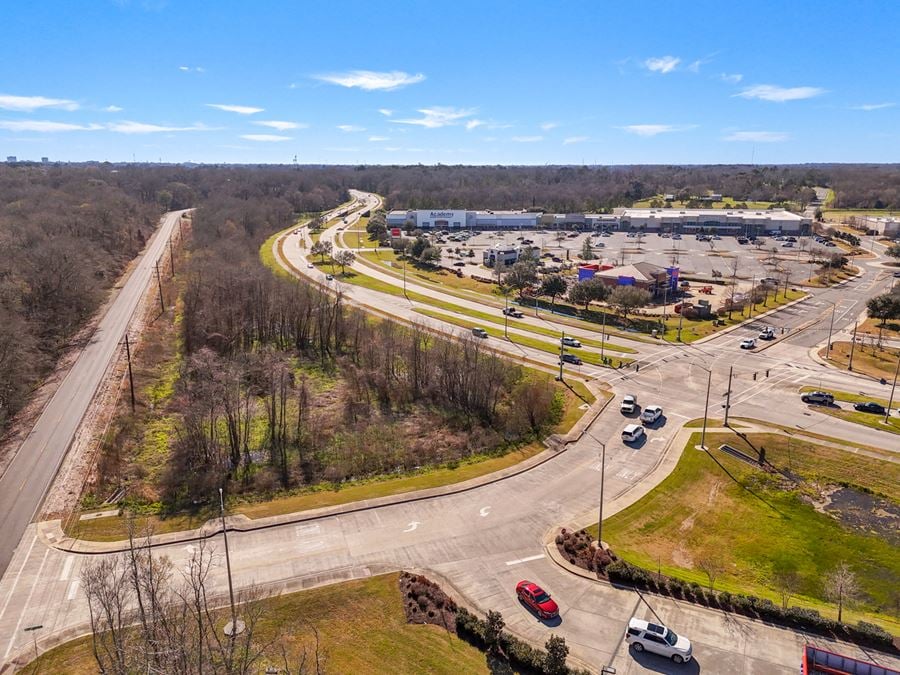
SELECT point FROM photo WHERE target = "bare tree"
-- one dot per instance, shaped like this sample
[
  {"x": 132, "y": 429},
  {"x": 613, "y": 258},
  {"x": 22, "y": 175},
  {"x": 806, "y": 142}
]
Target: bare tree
[
  {"x": 711, "y": 565},
  {"x": 842, "y": 587},
  {"x": 786, "y": 581}
]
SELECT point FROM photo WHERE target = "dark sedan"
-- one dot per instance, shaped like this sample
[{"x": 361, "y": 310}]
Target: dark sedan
[{"x": 870, "y": 407}]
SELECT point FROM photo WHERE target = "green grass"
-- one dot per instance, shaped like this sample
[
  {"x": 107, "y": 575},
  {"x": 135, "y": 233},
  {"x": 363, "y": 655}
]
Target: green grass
[
  {"x": 877, "y": 363},
  {"x": 699, "y": 506},
  {"x": 525, "y": 341},
  {"x": 361, "y": 627},
  {"x": 855, "y": 416},
  {"x": 726, "y": 203}
]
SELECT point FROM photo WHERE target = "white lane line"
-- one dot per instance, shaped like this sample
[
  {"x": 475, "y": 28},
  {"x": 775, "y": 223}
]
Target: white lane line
[
  {"x": 524, "y": 560},
  {"x": 67, "y": 568},
  {"x": 15, "y": 582},
  {"x": 37, "y": 578},
  {"x": 73, "y": 589}
]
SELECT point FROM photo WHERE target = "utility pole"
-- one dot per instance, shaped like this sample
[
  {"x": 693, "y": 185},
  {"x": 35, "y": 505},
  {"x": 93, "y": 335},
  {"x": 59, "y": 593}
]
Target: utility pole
[
  {"x": 33, "y": 630},
  {"x": 752, "y": 296},
  {"x": 728, "y": 395},
  {"x": 602, "y": 481},
  {"x": 602, "y": 336},
  {"x": 562, "y": 349},
  {"x": 887, "y": 413},
  {"x": 159, "y": 286},
  {"x": 680, "y": 318},
  {"x": 404, "y": 275},
  {"x": 235, "y": 627},
  {"x": 830, "y": 329},
  {"x": 130, "y": 374},
  {"x": 171, "y": 256},
  {"x": 706, "y": 410},
  {"x": 852, "y": 346},
  {"x": 506, "y": 316}
]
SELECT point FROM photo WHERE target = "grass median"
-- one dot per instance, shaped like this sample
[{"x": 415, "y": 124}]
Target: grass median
[
  {"x": 361, "y": 627},
  {"x": 875, "y": 421},
  {"x": 823, "y": 506},
  {"x": 868, "y": 360}
]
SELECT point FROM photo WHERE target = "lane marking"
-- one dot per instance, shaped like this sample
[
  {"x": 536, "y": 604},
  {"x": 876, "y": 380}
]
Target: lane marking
[
  {"x": 524, "y": 560},
  {"x": 67, "y": 568},
  {"x": 485, "y": 510},
  {"x": 73, "y": 589},
  {"x": 15, "y": 582},
  {"x": 12, "y": 637}
]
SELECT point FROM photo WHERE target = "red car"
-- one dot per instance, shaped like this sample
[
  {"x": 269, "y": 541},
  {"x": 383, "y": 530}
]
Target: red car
[{"x": 537, "y": 599}]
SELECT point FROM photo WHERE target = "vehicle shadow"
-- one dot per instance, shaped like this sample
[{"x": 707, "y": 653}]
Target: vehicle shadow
[
  {"x": 550, "y": 623},
  {"x": 639, "y": 443},
  {"x": 660, "y": 664},
  {"x": 658, "y": 423}
]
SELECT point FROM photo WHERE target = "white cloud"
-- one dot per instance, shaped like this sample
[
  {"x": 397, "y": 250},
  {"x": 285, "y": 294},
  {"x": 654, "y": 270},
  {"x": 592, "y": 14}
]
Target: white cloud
[
  {"x": 239, "y": 109},
  {"x": 647, "y": 130},
  {"x": 378, "y": 139},
  {"x": 662, "y": 64},
  {"x": 439, "y": 116},
  {"x": 281, "y": 126},
  {"x": 266, "y": 138},
  {"x": 771, "y": 92},
  {"x": 43, "y": 126},
  {"x": 526, "y": 139},
  {"x": 387, "y": 112},
  {"x": 694, "y": 66},
  {"x": 574, "y": 139},
  {"x": 113, "y": 108},
  {"x": 31, "y": 103},
  {"x": 547, "y": 126},
  {"x": 758, "y": 136},
  {"x": 143, "y": 128},
  {"x": 370, "y": 80},
  {"x": 184, "y": 69},
  {"x": 474, "y": 124},
  {"x": 868, "y": 107},
  {"x": 731, "y": 78},
  {"x": 188, "y": 69},
  {"x": 349, "y": 128}
]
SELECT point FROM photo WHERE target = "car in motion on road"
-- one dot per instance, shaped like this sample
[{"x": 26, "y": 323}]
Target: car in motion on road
[
  {"x": 650, "y": 414},
  {"x": 329, "y": 277},
  {"x": 628, "y": 405},
  {"x": 749, "y": 343},
  {"x": 632, "y": 433},
  {"x": 513, "y": 312},
  {"x": 479, "y": 333},
  {"x": 537, "y": 599},
  {"x": 818, "y": 398},
  {"x": 652, "y": 637},
  {"x": 571, "y": 358},
  {"x": 570, "y": 342},
  {"x": 767, "y": 333},
  {"x": 309, "y": 266},
  {"x": 869, "y": 407}
]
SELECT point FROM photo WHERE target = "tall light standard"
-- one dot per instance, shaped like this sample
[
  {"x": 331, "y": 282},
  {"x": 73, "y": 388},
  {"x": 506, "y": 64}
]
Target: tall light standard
[
  {"x": 830, "y": 328},
  {"x": 234, "y": 627},
  {"x": 706, "y": 406},
  {"x": 602, "y": 481},
  {"x": 887, "y": 413}
]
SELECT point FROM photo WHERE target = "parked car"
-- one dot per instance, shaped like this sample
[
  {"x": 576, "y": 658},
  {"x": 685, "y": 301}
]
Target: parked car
[
  {"x": 830, "y": 244},
  {"x": 628, "y": 405},
  {"x": 571, "y": 358},
  {"x": 767, "y": 333},
  {"x": 479, "y": 333},
  {"x": 743, "y": 240},
  {"x": 632, "y": 433},
  {"x": 676, "y": 236},
  {"x": 652, "y": 637},
  {"x": 749, "y": 343},
  {"x": 788, "y": 244},
  {"x": 570, "y": 342},
  {"x": 650, "y": 414},
  {"x": 309, "y": 266},
  {"x": 329, "y": 277},
  {"x": 537, "y": 599},
  {"x": 459, "y": 264},
  {"x": 818, "y": 398},
  {"x": 870, "y": 407},
  {"x": 513, "y": 312}
]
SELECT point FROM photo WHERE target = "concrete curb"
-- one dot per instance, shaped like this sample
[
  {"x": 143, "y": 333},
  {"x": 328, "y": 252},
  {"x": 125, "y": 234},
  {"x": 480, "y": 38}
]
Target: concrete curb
[
  {"x": 52, "y": 534},
  {"x": 725, "y": 331}
]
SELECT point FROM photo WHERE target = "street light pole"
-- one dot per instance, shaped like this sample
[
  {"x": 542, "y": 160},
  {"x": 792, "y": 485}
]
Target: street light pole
[
  {"x": 706, "y": 410},
  {"x": 602, "y": 337},
  {"x": 235, "y": 627},
  {"x": 852, "y": 346},
  {"x": 830, "y": 329},
  {"x": 728, "y": 395},
  {"x": 887, "y": 413},
  {"x": 602, "y": 481}
]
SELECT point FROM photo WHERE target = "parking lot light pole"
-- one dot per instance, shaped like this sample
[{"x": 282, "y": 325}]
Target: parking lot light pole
[{"x": 887, "y": 413}]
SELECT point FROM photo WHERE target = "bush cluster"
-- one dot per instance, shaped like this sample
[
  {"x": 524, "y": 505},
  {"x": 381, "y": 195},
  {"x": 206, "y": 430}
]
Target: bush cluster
[
  {"x": 425, "y": 602},
  {"x": 521, "y": 655},
  {"x": 760, "y": 608},
  {"x": 580, "y": 549}
]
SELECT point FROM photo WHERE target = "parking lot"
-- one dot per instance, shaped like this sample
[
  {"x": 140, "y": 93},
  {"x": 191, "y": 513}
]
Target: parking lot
[{"x": 705, "y": 259}]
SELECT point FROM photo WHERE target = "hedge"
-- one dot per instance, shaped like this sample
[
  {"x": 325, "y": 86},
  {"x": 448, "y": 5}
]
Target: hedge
[{"x": 795, "y": 617}]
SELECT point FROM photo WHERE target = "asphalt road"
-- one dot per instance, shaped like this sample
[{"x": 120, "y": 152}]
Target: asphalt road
[
  {"x": 28, "y": 477},
  {"x": 481, "y": 542}
]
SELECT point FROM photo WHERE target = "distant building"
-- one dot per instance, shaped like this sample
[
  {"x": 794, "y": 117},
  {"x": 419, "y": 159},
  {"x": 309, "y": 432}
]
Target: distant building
[
  {"x": 11, "y": 159},
  {"x": 45, "y": 160},
  {"x": 645, "y": 275},
  {"x": 502, "y": 257},
  {"x": 884, "y": 227}
]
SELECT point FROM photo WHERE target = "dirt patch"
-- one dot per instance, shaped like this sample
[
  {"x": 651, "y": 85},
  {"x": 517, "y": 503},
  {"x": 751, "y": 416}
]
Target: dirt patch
[
  {"x": 425, "y": 602},
  {"x": 862, "y": 511},
  {"x": 682, "y": 558}
]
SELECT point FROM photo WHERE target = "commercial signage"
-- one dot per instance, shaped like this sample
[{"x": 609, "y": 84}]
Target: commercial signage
[
  {"x": 395, "y": 232},
  {"x": 673, "y": 278}
]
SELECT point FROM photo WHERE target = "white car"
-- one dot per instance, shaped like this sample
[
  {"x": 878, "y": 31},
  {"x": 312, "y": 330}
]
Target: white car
[
  {"x": 632, "y": 433},
  {"x": 329, "y": 277},
  {"x": 652, "y": 637},
  {"x": 570, "y": 342},
  {"x": 767, "y": 333},
  {"x": 650, "y": 414},
  {"x": 749, "y": 343},
  {"x": 628, "y": 405}
]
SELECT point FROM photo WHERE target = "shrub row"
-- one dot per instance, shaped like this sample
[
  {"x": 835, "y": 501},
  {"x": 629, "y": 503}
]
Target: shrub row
[
  {"x": 762, "y": 608},
  {"x": 580, "y": 549},
  {"x": 520, "y": 654}
]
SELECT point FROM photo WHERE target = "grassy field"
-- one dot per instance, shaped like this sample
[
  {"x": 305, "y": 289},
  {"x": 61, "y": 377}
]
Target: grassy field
[
  {"x": 361, "y": 626},
  {"x": 840, "y": 215},
  {"x": 712, "y": 497},
  {"x": 726, "y": 203},
  {"x": 866, "y": 419},
  {"x": 389, "y": 262},
  {"x": 836, "y": 277},
  {"x": 875, "y": 363},
  {"x": 872, "y": 327}
]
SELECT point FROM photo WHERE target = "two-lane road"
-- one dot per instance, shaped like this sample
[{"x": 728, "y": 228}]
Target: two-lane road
[{"x": 28, "y": 477}]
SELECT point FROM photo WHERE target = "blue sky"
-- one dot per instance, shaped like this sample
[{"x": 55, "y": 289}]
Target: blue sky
[{"x": 458, "y": 82}]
